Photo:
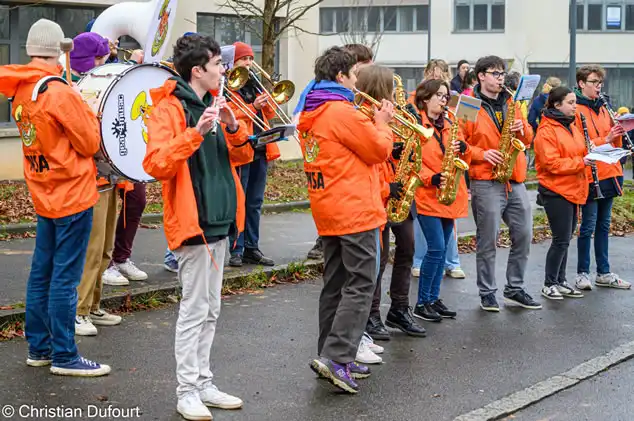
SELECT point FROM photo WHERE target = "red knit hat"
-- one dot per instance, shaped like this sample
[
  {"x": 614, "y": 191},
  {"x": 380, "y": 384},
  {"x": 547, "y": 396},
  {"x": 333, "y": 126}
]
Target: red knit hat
[{"x": 242, "y": 50}]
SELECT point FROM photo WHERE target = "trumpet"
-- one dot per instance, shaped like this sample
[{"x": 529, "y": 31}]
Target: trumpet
[
  {"x": 407, "y": 124},
  {"x": 129, "y": 54}
]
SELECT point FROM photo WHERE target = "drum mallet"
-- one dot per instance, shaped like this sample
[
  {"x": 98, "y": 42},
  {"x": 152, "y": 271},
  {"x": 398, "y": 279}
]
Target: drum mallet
[{"x": 67, "y": 46}]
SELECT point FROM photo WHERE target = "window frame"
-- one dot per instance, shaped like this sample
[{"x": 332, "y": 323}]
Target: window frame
[
  {"x": 414, "y": 9},
  {"x": 605, "y": 4},
  {"x": 471, "y": 4}
]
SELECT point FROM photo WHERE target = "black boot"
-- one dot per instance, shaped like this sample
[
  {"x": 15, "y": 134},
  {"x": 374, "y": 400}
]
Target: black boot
[
  {"x": 255, "y": 257},
  {"x": 376, "y": 330},
  {"x": 426, "y": 312},
  {"x": 400, "y": 318},
  {"x": 442, "y": 309}
]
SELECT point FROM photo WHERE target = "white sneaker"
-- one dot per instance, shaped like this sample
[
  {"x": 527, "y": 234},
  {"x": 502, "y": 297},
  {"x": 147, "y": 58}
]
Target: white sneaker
[
  {"x": 365, "y": 356},
  {"x": 377, "y": 349},
  {"x": 130, "y": 271},
  {"x": 102, "y": 318},
  {"x": 211, "y": 396},
  {"x": 416, "y": 272},
  {"x": 552, "y": 293},
  {"x": 191, "y": 407},
  {"x": 112, "y": 276},
  {"x": 582, "y": 282},
  {"x": 456, "y": 273},
  {"x": 84, "y": 326},
  {"x": 611, "y": 280}
]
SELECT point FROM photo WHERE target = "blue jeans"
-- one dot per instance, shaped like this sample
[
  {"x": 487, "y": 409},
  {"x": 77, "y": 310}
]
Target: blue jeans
[
  {"x": 51, "y": 292},
  {"x": 596, "y": 216},
  {"x": 253, "y": 180},
  {"x": 437, "y": 233},
  {"x": 452, "y": 259}
]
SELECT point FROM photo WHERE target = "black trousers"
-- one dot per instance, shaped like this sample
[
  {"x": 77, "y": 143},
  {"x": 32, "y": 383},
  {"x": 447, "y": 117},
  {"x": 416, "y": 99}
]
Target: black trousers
[
  {"x": 401, "y": 270},
  {"x": 350, "y": 269},
  {"x": 562, "y": 218}
]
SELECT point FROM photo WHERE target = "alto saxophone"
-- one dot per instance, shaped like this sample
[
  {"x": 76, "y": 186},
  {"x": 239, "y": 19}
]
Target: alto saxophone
[
  {"x": 453, "y": 169},
  {"x": 410, "y": 163},
  {"x": 510, "y": 147}
]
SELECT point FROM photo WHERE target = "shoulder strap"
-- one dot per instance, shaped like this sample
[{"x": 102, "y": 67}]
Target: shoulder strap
[{"x": 42, "y": 85}]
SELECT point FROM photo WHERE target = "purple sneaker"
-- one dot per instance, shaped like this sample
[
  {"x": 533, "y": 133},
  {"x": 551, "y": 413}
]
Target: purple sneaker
[
  {"x": 337, "y": 374},
  {"x": 359, "y": 371}
]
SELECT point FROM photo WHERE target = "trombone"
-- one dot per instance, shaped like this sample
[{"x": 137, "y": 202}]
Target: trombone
[
  {"x": 282, "y": 92},
  {"x": 235, "y": 79},
  {"x": 404, "y": 118}
]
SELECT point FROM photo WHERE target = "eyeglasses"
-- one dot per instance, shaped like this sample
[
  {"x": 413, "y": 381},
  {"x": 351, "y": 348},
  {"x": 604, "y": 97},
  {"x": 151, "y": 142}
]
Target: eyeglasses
[
  {"x": 497, "y": 74},
  {"x": 441, "y": 96},
  {"x": 595, "y": 82}
]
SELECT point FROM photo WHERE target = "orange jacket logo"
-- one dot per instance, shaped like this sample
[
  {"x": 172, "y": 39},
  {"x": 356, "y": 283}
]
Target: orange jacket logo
[
  {"x": 311, "y": 148},
  {"x": 26, "y": 128}
]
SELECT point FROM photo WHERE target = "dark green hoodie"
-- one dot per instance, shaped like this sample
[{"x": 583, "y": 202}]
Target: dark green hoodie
[{"x": 210, "y": 171}]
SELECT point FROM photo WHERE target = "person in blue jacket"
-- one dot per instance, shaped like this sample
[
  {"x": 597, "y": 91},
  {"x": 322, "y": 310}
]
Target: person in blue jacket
[{"x": 535, "y": 111}]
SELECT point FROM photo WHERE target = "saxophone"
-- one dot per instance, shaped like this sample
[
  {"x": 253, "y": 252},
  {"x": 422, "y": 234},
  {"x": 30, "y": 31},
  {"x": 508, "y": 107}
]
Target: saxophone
[
  {"x": 510, "y": 146},
  {"x": 453, "y": 168},
  {"x": 410, "y": 163}
]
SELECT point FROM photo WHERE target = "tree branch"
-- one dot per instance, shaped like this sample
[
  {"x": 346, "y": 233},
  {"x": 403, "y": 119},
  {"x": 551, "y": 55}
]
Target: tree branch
[
  {"x": 291, "y": 20},
  {"x": 305, "y": 31},
  {"x": 239, "y": 7}
]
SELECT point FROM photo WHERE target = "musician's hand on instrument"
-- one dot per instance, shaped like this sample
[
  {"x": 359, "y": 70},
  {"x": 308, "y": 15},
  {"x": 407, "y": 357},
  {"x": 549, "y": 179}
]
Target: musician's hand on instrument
[
  {"x": 206, "y": 121},
  {"x": 260, "y": 102},
  {"x": 615, "y": 132},
  {"x": 587, "y": 161},
  {"x": 396, "y": 189},
  {"x": 386, "y": 113},
  {"x": 438, "y": 179},
  {"x": 137, "y": 56},
  {"x": 517, "y": 126},
  {"x": 397, "y": 150},
  {"x": 459, "y": 147},
  {"x": 228, "y": 118},
  {"x": 493, "y": 156}
]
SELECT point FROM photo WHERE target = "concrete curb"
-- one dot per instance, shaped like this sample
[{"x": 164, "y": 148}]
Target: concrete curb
[
  {"x": 555, "y": 384},
  {"x": 157, "y": 218},
  {"x": 231, "y": 281}
]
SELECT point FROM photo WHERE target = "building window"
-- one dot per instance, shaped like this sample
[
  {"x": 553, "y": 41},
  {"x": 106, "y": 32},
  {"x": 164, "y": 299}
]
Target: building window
[
  {"x": 479, "y": 15},
  {"x": 411, "y": 76},
  {"x": 15, "y": 22},
  {"x": 227, "y": 29},
  {"x": 605, "y": 15},
  {"x": 337, "y": 20}
]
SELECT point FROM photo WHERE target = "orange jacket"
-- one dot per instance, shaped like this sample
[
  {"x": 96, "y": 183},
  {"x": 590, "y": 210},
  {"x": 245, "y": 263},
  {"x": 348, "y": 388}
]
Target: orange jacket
[
  {"x": 599, "y": 126},
  {"x": 484, "y": 135},
  {"x": 244, "y": 154},
  {"x": 559, "y": 160},
  {"x": 60, "y": 136},
  {"x": 342, "y": 148},
  {"x": 426, "y": 196},
  {"x": 170, "y": 144}
]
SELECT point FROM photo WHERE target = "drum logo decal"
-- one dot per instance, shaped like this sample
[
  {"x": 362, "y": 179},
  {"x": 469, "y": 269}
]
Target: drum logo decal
[
  {"x": 120, "y": 126},
  {"x": 311, "y": 147},
  {"x": 141, "y": 108},
  {"x": 26, "y": 128},
  {"x": 161, "y": 33}
]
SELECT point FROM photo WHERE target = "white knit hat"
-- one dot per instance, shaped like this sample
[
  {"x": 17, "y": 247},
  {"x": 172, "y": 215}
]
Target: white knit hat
[{"x": 44, "y": 39}]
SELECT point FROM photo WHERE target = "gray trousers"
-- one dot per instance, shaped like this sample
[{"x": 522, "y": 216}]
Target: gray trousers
[
  {"x": 198, "y": 314},
  {"x": 491, "y": 203},
  {"x": 351, "y": 265}
]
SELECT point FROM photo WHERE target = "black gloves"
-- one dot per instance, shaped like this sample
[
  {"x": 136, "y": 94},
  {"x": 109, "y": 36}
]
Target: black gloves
[
  {"x": 395, "y": 190},
  {"x": 435, "y": 180},
  {"x": 397, "y": 150},
  {"x": 463, "y": 147}
]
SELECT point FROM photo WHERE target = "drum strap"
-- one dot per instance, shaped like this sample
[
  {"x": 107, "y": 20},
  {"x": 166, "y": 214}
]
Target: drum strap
[{"x": 42, "y": 85}]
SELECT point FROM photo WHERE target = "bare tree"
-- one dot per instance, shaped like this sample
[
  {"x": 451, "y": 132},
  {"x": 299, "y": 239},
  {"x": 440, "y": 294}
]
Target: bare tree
[{"x": 277, "y": 17}]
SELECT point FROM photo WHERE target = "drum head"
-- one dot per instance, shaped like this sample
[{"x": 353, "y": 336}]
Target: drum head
[{"x": 124, "y": 115}]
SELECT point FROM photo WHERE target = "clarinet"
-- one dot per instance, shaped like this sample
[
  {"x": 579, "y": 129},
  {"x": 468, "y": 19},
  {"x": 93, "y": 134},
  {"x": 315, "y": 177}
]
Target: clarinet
[
  {"x": 626, "y": 137},
  {"x": 593, "y": 166}
]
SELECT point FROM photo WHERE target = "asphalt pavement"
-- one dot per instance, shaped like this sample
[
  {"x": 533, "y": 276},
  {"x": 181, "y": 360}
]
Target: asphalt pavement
[{"x": 265, "y": 341}]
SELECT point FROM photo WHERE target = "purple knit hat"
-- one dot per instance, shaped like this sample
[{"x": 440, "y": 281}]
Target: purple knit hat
[{"x": 86, "y": 47}]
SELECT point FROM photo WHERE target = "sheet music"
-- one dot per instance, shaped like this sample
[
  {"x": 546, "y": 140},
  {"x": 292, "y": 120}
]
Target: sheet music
[
  {"x": 527, "y": 86},
  {"x": 608, "y": 154}
]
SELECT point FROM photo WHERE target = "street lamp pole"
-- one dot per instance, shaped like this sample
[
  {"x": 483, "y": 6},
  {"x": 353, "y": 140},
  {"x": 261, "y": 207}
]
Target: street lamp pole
[
  {"x": 572, "y": 69},
  {"x": 429, "y": 32}
]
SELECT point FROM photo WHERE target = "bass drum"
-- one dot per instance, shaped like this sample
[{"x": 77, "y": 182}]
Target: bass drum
[{"x": 119, "y": 94}]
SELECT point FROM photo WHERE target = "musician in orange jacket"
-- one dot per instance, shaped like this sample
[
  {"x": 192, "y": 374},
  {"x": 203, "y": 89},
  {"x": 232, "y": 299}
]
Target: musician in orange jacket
[
  {"x": 378, "y": 82},
  {"x": 341, "y": 148},
  {"x": 597, "y": 214},
  {"x": 493, "y": 201},
  {"x": 203, "y": 207},
  {"x": 437, "y": 220},
  {"x": 559, "y": 159},
  {"x": 60, "y": 136},
  {"x": 252, "y": 172}
]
